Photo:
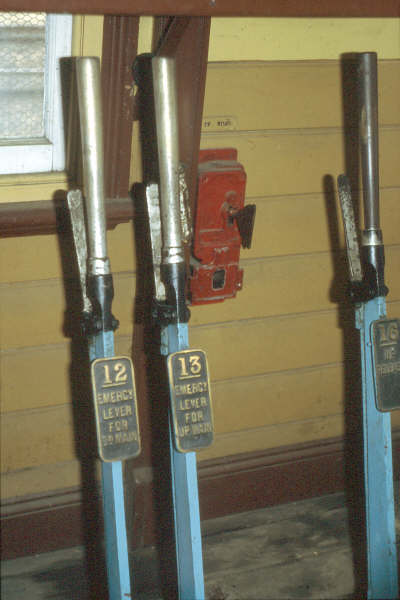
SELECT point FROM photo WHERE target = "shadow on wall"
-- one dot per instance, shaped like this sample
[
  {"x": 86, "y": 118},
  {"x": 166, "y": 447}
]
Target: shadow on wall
[
  {"x": 354, "y": 467},
  {"x": 146, "y": 341},
  {"x": 82, "y": 405},
  {"x": 79, "y": 365}
]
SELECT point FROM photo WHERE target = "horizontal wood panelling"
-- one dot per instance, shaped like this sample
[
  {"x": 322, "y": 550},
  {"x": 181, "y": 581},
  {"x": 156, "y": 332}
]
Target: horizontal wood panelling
[
  {"x": 34, "y": 437},
  {"x": 283, "y": 398},
  {"x": 37, "y": 437},
  {"x": 38, "y": 257},
  {"x": 65, "y": 476},
  {"x": 296, "y": 162},
  {"x": 292, "y": 284},
  {"x": 32, "y": 314},
  {"x": 281, "y": 403},
  {"x": 284, "y": 225},
  {"x": 258, "y": 346},
  {"x": 275, "y": 287},
  {"x": 271, "y": 287},
  {"x": 278, "y": 398},
  {"x": 32, "y": 186},
  {"x": 28, "y": 258},
  {"x": 276, "y": 408},
  {"x": 277, "y": 352},
  {"x": 46, "y": 436},
  {"x": 39, "y": 376},
  {"x": 301, "y": 39},
  {"x": 287, "y": 95},
  {"x": 35, "y": 377},
  {"x": 273, "y": 436},
  {"x": 38, "y": 480},
  {"x": 35, "y": 523},
  {"x": 294, "y": 407},
  {"x": 46, "y": 302},
  {"x": 268, "y": 345},
  {"x": 301, "y": 224}
]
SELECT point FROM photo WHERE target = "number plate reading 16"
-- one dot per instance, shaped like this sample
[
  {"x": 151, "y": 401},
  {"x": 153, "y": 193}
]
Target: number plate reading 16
[
  {"x": 190, "y": 400},
  {"x": 115, "y": 406},
  {"x": 386, "y": 357}
]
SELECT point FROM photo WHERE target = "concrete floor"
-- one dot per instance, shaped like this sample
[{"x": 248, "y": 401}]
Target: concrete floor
[{"x": 298, "y": 550}]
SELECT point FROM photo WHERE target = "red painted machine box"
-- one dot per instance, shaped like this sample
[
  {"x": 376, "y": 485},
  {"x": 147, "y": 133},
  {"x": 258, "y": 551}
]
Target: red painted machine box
[{"x": 220, "y": 227}]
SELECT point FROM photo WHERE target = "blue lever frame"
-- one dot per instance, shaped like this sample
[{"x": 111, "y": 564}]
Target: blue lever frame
[
  {"x": 116, "y": 540},
  {"x": 378, "y": 468},
  {"x": 185, "y": 494}
]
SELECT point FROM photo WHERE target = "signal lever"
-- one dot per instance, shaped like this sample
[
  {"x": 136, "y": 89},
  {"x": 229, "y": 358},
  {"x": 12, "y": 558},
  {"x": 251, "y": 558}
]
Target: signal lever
[
  {"x": 244, "y": 218},
  {"x": 365, "y": 284}
]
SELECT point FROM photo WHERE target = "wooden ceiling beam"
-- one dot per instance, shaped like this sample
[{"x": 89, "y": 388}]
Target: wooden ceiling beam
[
  {"x": 214, "y": 8},
  {"x": 42, "y": 217}
]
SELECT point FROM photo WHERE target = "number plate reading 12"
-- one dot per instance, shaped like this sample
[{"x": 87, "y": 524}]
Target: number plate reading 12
[
  {"x": 114, "y": 398},
  {"x": 386, "y": 356},
  {"x": 190, "y": 400}
]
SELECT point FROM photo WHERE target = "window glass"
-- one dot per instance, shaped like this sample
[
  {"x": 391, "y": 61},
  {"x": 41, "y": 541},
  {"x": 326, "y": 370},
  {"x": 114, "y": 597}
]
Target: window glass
[
  {"x": 22, "y": 64},
  {"x": 31, "y": 110}
]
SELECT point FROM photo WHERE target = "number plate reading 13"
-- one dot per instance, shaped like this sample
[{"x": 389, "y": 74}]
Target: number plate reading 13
[
  {"x": 190, "y": 400},
  {"x": 115, "y": 406},
  {"x": 386, "y": 357}
]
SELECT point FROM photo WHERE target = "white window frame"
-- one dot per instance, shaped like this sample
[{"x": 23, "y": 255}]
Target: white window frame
[{"x": 38, "y": 155}]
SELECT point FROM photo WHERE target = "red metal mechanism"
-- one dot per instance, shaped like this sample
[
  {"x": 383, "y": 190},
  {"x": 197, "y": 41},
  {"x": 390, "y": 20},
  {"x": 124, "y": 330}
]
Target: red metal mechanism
[{"x": 222, "y": 225}]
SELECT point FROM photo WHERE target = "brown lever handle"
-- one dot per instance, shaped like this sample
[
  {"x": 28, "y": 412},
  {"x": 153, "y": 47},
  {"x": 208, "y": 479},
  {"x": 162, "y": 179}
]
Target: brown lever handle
[{"x": 245, "y": 221}]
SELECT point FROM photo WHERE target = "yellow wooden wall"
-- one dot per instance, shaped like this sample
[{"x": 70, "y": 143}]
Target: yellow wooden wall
[{"x": 275, "y": 352}]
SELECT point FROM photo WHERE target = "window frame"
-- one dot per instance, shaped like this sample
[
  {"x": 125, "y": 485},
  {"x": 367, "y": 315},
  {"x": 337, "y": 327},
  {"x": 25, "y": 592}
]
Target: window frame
[{"x": 47, "y": 154}]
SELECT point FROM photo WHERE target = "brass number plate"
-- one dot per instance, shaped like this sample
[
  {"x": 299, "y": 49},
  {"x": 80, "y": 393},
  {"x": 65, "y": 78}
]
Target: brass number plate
[
  {"x": 190, "y": 400},
  {"x": 115, "y": 405},
  {"x": 386, "y": 357}
]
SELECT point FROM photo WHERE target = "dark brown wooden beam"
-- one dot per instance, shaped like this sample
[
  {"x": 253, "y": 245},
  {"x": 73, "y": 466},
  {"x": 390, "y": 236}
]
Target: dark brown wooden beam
[
  {"x": 168, "y": 34},
  {"x": 120, "y": 36},
  {"x": 187, "y": 39},
  {"x": 248, "y": 8},
  {"x": 43, "y": 216}
]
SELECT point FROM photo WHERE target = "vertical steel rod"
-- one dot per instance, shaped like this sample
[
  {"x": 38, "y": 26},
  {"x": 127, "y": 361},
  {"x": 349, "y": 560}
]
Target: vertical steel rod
[
  {"x": 101, "y": 344},
  {"x": 165, "y": 102},
  {"x": 369, "y": 142},
  {"x": 91, "y": 123}
]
